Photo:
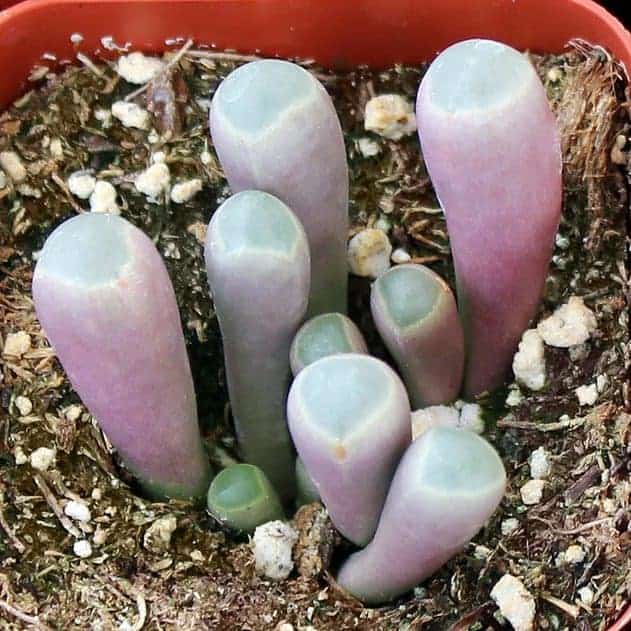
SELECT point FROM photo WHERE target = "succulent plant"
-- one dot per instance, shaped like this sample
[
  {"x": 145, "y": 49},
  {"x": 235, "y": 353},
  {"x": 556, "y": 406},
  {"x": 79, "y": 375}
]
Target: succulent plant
[
  {"x": 492, "y": 149},
  {"x": 242, "y": 498},
  {"x": 416, "y": 315},
  {"x": 105, "y": 301},
  {"x": 349, "y": 416},
  {"x": 275, "y": 129},
  {"x": 257, "y": 259},
  {"x": 323, "y": 335},
  {"x": 449, "y": 482},
  {"x": 307, "y": 491}
]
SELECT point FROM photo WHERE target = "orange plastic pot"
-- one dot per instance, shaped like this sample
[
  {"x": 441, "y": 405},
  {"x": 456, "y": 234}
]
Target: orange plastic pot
[{"x": 336, "y": 33}]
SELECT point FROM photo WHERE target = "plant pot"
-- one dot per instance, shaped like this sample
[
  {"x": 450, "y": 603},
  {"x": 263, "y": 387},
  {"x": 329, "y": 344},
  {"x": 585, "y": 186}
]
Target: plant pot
[
  {"x": 340, "y": 34},
  {"x": 378, "y": 33}
]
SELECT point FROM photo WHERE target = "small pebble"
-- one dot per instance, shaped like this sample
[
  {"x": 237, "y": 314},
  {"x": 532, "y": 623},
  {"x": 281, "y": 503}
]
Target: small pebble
[
  {"x": 76, "y": 38},
  {"x": 539, "y": 462},
  {"x": 400, "y": 256},
  {"x": 42, "y": 458},
  {"x": 81, "y": 184},
  {"x": 532, "y": 492},
  {"x": 516, "y": 603},
  {"x": 82, "y": 548},
  {"x": 509, "y": 526},
  {"x": 272, "y": 545},
  {"x": 17, "y": 344},
  {"x": 158, "y": 536},
  {"x": 587, "y": 395},
  {"x": 571, "y": 324},
  {"x": 24, "y": 405},
  {"x": 103, "y": 199},
  {"x": 77, "y": 510},
  {"x": 369, "y": 253},
  {"x": 96, "y": 494},
  {"x": 13, "y": 166},
  {"x": 390, "y": 116},
  {"x": 138, "y": 69},
  {"x": 100, "y": 536}
]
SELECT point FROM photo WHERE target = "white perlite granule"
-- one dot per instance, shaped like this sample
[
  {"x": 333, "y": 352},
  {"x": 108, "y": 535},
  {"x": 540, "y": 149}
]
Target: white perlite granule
[
  {"x": 131, "y": 115},
  {"x": 571, "y": 324},
  {"x": 509, "y": 526},
  {"x": 516, "y": 603},
  {"x": 587, "y": 395},
  {"x": 369, "y": 253},
  {"x": 82, "y": 548},
  {"x": 433, "y": 416},
  {"x": 42, "y": 458},
  {"x": 529, "y": 364},
  {"x": 24, "y": 405},
  {"x": 390, "y": 116},
  {"x": 153, "y": 181},
  {"x": 532, "y": 492},
  {"x": 400, "y": 256},
  {"x": 539, "y": 462},
  {"x": 103, "y": 199},
  {"x": 185, "y": 191},
  {"x": 77, "y": 510},
  {"x": 272, "y": 545},
  {"x": 17, "y": 344},
  {"x": 12, "y": 165},
  {"x": 368, "y": 147},
  {"x": 138, "y": 69},
  {"x": 81, "y": 184}
]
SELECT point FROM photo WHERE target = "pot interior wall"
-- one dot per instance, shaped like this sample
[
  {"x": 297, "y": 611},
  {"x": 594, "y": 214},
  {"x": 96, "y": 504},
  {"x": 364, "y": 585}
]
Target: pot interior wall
[{"x": 378, "y": 33}]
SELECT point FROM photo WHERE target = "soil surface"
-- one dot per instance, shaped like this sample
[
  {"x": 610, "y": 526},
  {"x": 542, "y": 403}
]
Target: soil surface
[{"x": 201, "y": 577}]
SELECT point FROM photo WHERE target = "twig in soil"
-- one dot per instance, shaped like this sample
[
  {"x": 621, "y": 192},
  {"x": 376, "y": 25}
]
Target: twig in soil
[
  {"x": 17, "y": 544},
  {"x": 62, "y": 185},
  {"x": 219, "y": 56},
  {"x": 142, "y": 612},
  {"x": 571, "y": 423},
  {"x": 572, "y": 531},
  {"x": 88, "y": 63},
  {"x": 55, "y": 507},
  {"x": 172, "y": 63},
  {"x": 570, "y": 610},
  {"x": 24, "y": 617},
  {"x": 587, "y": 480}
]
